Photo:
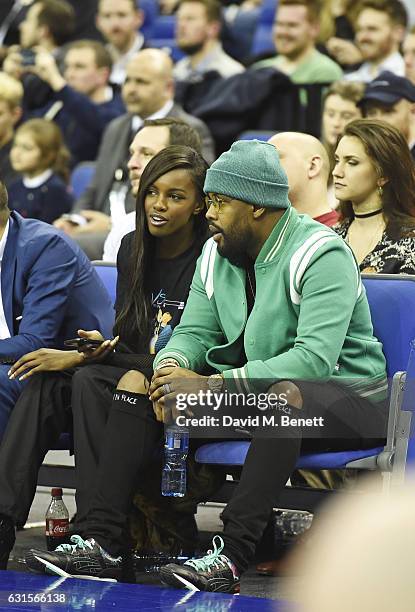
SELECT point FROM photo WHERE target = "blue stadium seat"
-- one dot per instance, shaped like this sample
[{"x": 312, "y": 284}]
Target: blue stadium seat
[
  {"x": 164, "y": 27},
  {"x": 256, "y": 134},
  {"x": 108, "y": 274},
  {"x": 150, "y": 9},
  {"x": 267, "y": 14},
  {"x": 263, "y": 41},
  {"x": 238, "y": 31},
  {"x": 392, "y": 304},
  {"x": 81, "y": 177}
]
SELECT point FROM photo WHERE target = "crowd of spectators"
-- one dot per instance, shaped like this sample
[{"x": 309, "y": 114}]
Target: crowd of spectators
[{"x": 337, "y": 84}]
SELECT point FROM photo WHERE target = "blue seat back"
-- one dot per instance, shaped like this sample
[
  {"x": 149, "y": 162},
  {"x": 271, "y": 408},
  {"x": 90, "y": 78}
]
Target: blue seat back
[
  {"x": 150, "y": 9},
  {"x": 263, "y": 135},
  {"x": 268, "y": 9},
  {"x": 263, "y": 41},
  {"x": 392, "y": 307},
  {"x": 108, "y": 274},
  {"x": 164, "y": 27},
  {"x": 81, "y": 177}
]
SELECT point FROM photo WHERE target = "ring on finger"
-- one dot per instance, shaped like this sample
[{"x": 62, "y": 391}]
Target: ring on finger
[{"x": 167, "y": 388}]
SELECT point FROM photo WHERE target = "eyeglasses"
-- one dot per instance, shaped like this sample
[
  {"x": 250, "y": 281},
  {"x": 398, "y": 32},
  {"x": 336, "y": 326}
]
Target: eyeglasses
[{"x": 215, "y": 200}]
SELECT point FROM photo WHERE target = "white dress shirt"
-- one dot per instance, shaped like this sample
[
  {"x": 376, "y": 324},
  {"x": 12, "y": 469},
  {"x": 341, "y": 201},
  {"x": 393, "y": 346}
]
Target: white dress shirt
[
  {"x": 367, "y": 72},
  {"x": 113, "y": 241},
  {"x": 4, "y": 330},
  {"x": 120, "y": 62}
]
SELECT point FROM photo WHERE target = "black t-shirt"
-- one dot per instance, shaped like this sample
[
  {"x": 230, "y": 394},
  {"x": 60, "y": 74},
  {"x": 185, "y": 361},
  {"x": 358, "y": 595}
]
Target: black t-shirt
[
  {"x": 250, "y": 290},
  {"x": 171, "y": 284}
]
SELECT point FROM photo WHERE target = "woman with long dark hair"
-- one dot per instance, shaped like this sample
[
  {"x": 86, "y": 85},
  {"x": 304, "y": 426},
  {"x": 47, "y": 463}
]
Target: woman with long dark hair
[
  {"x": 155, "y": 268},
  {"x": 374, "y": 180}
]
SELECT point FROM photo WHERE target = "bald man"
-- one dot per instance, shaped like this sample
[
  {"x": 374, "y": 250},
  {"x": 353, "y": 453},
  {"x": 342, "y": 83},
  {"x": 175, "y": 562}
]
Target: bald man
[
  {"x": 147, "y": 93},
  {"x": 306, "y": 163}
]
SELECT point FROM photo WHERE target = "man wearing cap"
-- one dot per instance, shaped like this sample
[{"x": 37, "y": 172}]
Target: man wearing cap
[
  {"x": 268, "y": 311},
  {"x": 392, "y": 98}
]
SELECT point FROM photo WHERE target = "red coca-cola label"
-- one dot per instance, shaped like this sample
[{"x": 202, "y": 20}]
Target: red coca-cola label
[{"x": 57, "y": 528}]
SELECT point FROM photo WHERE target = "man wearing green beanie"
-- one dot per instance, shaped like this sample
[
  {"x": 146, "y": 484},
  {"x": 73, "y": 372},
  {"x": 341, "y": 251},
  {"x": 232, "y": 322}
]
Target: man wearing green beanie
[{"x": 276, "y": 306}]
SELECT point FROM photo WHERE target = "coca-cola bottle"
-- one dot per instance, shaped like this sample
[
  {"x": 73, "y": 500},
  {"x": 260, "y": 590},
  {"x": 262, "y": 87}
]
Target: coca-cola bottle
[{"x": 57, "y": 521}]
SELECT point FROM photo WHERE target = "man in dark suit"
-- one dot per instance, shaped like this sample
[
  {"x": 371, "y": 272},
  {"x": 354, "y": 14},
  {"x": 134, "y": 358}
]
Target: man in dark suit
[
  {"x": 48, "y": 290},
  {"x": 147, "y": 94}
]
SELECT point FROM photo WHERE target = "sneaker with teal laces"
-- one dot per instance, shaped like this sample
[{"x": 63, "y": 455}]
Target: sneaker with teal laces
[
  {"x": 214, "y": 572},
  {"x": 82, "y": 558}
]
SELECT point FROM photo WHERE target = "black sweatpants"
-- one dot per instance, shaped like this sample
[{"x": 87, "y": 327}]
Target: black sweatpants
[
  {"x": 133, "y": 438},
  {"x": 42, "y": 412},
  {"x": 350, "y": 422}
]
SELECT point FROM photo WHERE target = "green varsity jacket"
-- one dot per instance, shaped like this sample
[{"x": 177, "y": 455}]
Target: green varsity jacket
[{"x": 310, "y": 319}]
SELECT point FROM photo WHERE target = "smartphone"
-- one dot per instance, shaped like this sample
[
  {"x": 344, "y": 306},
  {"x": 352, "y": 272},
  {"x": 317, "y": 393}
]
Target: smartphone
[
  {"x": 78, "y": 342},
  {"x": 28, "y": 57}
]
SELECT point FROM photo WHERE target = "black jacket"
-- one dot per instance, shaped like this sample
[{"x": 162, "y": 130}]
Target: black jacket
[{"x": 261, "y": 99}]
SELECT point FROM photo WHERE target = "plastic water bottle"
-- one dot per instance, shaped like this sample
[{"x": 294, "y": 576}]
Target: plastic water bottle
[
  {"x": 291, "y": 523},
  {"x": 176, "y": 447}
]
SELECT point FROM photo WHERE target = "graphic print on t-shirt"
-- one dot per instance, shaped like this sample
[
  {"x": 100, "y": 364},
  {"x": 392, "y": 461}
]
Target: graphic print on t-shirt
[{"x": 168, "y": 313}]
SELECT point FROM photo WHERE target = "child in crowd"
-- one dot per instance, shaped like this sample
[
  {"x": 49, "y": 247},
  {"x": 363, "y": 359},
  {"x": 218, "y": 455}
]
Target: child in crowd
[{"x": 38, "y": 153}]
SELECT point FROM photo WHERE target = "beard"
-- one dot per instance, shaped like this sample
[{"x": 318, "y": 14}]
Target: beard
[
  {"x": 235, "y": 247},
  {"x": 190, "y": 49}
]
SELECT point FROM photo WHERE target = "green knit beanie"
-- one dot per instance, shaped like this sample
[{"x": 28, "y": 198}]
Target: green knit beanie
[{"x": 250, "y": 171}]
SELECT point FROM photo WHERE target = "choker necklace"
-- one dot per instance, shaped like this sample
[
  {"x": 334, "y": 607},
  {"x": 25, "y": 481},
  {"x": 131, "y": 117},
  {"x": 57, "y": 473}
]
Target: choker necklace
[{"x": 369, "y": 214}]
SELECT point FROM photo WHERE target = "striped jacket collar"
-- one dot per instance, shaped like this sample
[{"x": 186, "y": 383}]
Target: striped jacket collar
[{"x": 276, "y": 240}]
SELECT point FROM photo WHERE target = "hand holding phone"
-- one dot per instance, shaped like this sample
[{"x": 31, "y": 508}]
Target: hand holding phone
[{"x": 92, "y": 345}]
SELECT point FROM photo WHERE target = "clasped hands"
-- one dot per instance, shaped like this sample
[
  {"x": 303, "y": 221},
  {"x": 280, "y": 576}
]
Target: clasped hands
[{"x": 166, "y": 384}]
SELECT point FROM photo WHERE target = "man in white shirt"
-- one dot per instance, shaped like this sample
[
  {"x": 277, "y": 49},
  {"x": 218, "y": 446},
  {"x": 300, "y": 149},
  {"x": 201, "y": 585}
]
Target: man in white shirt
[
  {"x": 380, "y": 29},
  {"x": 119, "y": 21},
  {"x": 197, "y": 35}
]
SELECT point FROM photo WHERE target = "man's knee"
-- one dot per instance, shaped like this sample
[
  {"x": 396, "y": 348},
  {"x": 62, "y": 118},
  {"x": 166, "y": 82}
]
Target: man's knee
[
  {"x": 134, "y": 382},
  {"x": 288, "y": 391}
]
